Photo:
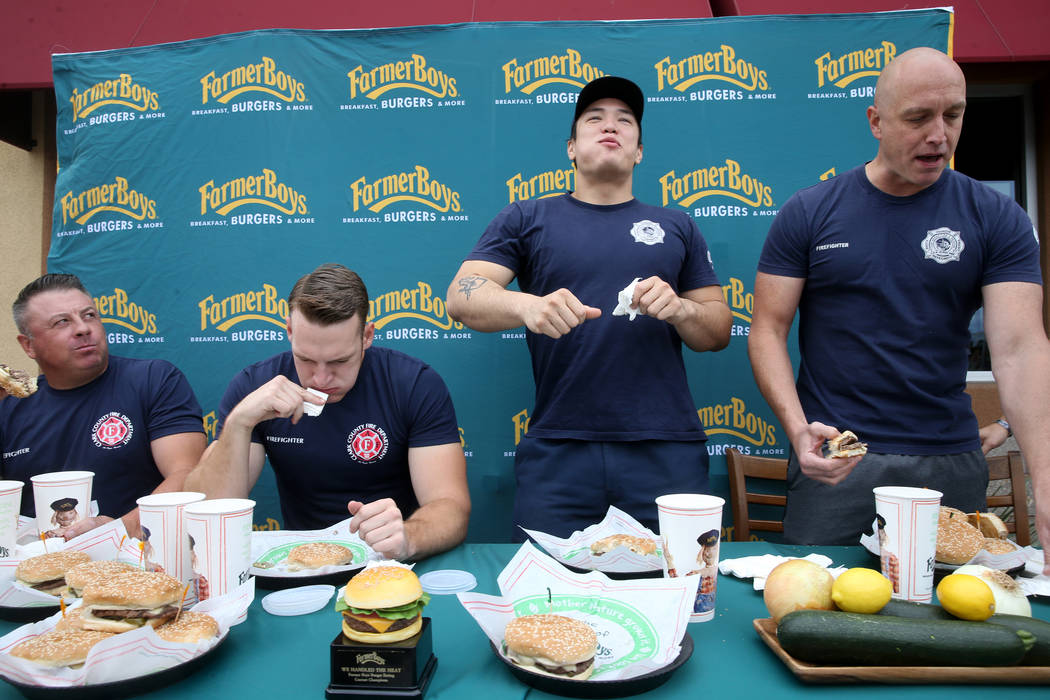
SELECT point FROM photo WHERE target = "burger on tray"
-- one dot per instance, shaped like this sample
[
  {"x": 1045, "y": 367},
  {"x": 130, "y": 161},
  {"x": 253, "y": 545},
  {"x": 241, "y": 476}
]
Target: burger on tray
[
  {"x": 47, "y": 572},
  {"x": 552, "y": 645},
  {"x": 123, "y": 602},
  {"x": 382, "y": 604}
]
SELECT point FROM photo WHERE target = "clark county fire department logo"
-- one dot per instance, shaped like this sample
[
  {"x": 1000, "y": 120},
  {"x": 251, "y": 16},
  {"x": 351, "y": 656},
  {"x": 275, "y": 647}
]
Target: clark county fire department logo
[
  {"x": 943, "y": 245},
  {"x": 367, "y": 443},
  {"x": 112, "y": 430},
  {"x": 647, "y": 232}
]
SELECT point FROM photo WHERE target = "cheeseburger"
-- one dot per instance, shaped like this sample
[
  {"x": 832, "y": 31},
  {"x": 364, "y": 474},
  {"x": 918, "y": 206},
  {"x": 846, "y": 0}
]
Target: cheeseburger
[
  {"x": 382, "y": 605},
  {"x": 190, "y": 628},
  {"x": 47, "y": 572},
  {"x": 59, "y": 647},
  {"x": 123, "y": 602},
  {"x": 16, "y": 382},
  {"x": 552, "y": 645},
  {"x": 846, "y": 445},
  {"x": 83, "y": 574}
]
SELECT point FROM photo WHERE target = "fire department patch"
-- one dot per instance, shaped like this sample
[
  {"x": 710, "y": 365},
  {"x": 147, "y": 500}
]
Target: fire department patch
[
  {"x": 367, "y": 443},
  {"x": 943, "y": 245},
  {"x": 112, "y": 430}
]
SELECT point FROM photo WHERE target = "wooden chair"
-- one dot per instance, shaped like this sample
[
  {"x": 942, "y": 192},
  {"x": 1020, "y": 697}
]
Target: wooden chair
[
  {"x": 1010, "y": 467},
  {"x": 743, "y": 466}
]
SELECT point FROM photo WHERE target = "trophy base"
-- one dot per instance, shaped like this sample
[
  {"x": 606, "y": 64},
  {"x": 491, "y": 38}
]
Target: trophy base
[{"x": 398, "y": 670}]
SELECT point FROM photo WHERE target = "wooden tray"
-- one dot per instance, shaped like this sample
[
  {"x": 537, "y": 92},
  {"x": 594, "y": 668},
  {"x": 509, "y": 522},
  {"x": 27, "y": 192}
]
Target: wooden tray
[{"x": 811, "y": 673}]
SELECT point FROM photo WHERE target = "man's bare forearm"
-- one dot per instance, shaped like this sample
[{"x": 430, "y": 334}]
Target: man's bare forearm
[
  {"x": 223, "y": 470},
  {"x": 483, "y": 305},
  {"x": 707, "y": 325},
  {"x": 436, "y": 527}
]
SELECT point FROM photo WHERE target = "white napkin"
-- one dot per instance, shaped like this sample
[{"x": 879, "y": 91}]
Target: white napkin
[
  {"x": 314, "y": 409},
  {"x": 758, "y": 567},
  {"x": 623, "y": 301}
]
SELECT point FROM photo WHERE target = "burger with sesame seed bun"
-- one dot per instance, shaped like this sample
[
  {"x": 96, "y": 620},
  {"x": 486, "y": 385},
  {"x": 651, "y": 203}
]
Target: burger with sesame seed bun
[
  {"x": 382, "y": 604},
  {"x": 552, "y": 645}
]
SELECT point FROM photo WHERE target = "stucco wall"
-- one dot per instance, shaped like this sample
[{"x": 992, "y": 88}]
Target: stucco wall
[{"x": 21, "y": 240}]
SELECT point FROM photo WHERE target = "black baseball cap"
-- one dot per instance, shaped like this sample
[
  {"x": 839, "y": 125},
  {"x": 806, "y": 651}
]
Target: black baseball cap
[{"x": 611, "y": 86}]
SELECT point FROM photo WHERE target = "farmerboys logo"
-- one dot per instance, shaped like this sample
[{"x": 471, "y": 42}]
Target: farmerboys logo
[
  {"x": 413, "y": 304},
  {"x": 254, "y": 307},
  {"x": 264, "y": 190},
  {"x": 841, "y": 70},
  {"x": 116, "y": 93},
  {"x": 117, "y": 309},
  {"x": 417, "y": 82},
  {"x": 117, "y": 197},
  {"x": 112, "y": 430},
  {"x": 709, "y": 73},
  {"x": 741, "y": 303},
  {"x": 621, "y": 626},
  {"x": 415, "y": 187},
  {"x": 726, "y": 180},
  {"x": 367, "y": 443},
  {"x": 550, "y": 183},
  {"x": 526, "y": 76},
  {"x": 734, "y": 418},
  {"x": 247, "y": 87}
]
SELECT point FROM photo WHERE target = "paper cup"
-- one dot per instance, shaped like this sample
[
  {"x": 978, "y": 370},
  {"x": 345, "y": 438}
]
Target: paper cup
[
  {"x": 61, "y": 499},
  {"x": 10, "y": 504},
  {"x": 906, "y": 526},
  {"x": 165, "y": 545},
  {"x": 690, "y": 527},
  {"x": 220, "y": 539}
]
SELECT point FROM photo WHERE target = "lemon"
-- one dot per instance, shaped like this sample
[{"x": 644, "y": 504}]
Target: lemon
[
  {"x": 965, "y": 596},
  {"x": 861, "y": 590}
]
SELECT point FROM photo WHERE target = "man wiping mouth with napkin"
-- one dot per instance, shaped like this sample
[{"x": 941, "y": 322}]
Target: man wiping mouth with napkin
[{"x": 614, "y": 422}]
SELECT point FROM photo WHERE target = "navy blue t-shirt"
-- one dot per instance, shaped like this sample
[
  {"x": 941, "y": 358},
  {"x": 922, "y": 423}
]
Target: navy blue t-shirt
[
  {"x": 891, "y": 286},
  {"x": 105, "y": 426},
  {"x": 610, "y": 378},
  {"x": 357, "y": 449}
]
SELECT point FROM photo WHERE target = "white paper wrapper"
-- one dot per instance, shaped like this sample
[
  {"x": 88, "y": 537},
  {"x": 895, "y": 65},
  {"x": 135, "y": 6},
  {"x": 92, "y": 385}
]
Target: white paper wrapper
[
  {"x": 1032, "y": 581},
  {"x": 640, "y": 623},
  {"x": 624, "y": 299},
  {"x": 1005, "y": 562},
  {"x": 272, "y": 547},
  {"x": 758, "y": 567},
  {"x": 101, "y": 543},
  {"x": 575, "y": 550},
  {"x": 128, "y": 655}
]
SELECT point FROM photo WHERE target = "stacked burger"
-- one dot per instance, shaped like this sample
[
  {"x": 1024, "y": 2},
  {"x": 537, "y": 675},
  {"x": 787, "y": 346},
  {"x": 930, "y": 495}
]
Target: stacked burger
[
  {"x": 116, "y": 598},
  {"x": 382, "y": 604}
]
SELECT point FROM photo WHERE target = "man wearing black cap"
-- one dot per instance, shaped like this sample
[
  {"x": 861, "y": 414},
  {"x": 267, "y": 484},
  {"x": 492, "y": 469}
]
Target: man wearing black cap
[{"x": 614, "y": 422}]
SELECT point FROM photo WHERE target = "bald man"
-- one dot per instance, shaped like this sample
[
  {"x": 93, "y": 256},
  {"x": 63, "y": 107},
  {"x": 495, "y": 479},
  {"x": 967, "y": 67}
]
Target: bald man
[{"x": 886, "y": 264}]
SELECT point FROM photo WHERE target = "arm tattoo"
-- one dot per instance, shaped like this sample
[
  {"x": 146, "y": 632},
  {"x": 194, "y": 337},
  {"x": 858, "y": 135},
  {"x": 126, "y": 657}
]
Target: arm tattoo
[{"x": 470, "y": 283}]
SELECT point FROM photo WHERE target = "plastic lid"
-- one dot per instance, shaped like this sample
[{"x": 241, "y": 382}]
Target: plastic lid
[
  {"x": 298, "y": 601},
  {"x": 448, "y": 581}
]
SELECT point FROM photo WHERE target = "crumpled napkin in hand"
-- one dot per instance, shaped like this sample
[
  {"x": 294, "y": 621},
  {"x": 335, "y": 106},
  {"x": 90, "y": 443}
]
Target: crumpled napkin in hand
[
  {"x": 758, "y": 567},
  {"x": 623, "y": 301}
]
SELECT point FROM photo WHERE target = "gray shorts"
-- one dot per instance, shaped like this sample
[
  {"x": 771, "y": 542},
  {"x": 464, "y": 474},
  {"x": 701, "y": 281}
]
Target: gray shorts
[{"x": 835, "y": 515}]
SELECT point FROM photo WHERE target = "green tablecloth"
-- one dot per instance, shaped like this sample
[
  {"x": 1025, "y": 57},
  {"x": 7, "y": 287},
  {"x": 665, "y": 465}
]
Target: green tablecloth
[{"x": 288, "y": 657}]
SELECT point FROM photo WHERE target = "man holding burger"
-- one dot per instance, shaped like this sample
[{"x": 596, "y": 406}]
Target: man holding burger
[{"x": 385, "y": 446}]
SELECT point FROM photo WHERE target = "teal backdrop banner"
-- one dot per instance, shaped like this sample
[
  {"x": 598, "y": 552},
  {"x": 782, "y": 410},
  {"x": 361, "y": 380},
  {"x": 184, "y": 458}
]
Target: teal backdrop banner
[{"x": 198, "y": 180}]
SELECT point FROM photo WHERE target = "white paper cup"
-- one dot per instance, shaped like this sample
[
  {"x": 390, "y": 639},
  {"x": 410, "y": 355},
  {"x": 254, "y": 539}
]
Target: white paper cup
[
  {"x": 165, "y": 545},
  {"x": 690, "y": 527},
  {"x": 220, "y": 538},
  {"x": 10, "y": 504},
  {"x": 61, "y": 499},
  {"x": 907, "y": 530}
]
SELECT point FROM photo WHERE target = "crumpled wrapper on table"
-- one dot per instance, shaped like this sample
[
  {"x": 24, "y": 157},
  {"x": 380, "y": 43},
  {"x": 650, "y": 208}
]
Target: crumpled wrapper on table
[
  {"x": 575, "y": 550},
  {"x": 127, "y": 655},
  {"x": 1032, "y": 580},
  {"x": 759, "y": 566},
  {"x": 640, "y": 623},
  {"x": 110, "y": 541},
  {"x": 272, "y": 547}
]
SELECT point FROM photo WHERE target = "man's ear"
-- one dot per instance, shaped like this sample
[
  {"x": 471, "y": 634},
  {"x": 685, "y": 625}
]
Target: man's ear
[
  {"x": 874, "y": 122},
  {"x": 27, "y": 345},
  {"x": 369, "y": 335}
]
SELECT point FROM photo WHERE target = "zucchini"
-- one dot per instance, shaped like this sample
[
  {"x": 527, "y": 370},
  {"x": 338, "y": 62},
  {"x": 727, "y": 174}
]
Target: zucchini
[
  {"x": 853, "y": 639},
  {"x": 1039, "y": 654},
  {"x": 915, "y": 611}
]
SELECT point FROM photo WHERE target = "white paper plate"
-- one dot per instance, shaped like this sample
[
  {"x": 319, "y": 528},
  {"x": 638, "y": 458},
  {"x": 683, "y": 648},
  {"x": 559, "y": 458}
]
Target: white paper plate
[{"x": 298, "y": 601}]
